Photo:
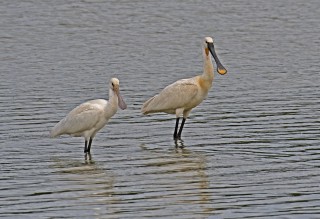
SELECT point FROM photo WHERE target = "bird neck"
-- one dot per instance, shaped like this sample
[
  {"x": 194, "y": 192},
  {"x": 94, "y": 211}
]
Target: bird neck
[
  {"x": 113, "y": 100},
  {"x": 111, "y": 94},
  {"x": 207, "y": 66}
]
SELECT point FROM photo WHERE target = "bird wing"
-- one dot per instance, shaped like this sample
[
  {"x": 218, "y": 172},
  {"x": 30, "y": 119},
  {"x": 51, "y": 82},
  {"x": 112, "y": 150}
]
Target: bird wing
[
  {"x": 172, "y": 97},
  {"x": 83, "y": 117}
]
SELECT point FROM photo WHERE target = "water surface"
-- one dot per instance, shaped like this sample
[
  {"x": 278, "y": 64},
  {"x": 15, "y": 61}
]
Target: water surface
[{"x": 250, "y": 150}]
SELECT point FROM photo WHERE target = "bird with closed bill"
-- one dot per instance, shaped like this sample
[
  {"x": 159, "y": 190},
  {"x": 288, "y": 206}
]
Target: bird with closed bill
[
  {"x": 183, "y": 95},
  {"x": 88, "y": 118}
]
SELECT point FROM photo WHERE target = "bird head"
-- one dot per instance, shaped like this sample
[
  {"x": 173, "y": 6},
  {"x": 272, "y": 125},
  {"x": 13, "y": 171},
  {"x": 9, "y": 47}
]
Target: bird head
[
  {"x": 209, "y": 47},
  {"x": 114, "y": 86}
]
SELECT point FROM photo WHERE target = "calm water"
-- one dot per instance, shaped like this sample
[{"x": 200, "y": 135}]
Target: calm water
[{"x": 251, "y": 149}]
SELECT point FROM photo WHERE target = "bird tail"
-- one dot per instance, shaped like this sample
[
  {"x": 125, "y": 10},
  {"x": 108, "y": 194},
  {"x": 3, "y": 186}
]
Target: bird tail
[
  {"x": 53, "y": 133},
  {"x": 56, "y": 130},
  {"x": 145, "y": 108}
]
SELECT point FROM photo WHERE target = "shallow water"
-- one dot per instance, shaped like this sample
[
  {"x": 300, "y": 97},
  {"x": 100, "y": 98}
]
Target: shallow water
[{"x": 250, "y": 150}]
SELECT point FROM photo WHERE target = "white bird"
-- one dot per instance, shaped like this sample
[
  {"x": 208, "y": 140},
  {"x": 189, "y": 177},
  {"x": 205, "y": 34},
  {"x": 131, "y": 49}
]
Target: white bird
[
  {"x": 183, "y": 95},
  {"x": 88, "y": 118}
]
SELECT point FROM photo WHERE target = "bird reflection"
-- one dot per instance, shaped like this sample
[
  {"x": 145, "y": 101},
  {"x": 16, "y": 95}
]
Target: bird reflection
[
  {"x": 92, "y": 182},
  {"x": 88, "y": 158},
  {"x": 179, "y": 143},
  {"x": 198, "y": 165},
  {"x": 188, "y": 171}
]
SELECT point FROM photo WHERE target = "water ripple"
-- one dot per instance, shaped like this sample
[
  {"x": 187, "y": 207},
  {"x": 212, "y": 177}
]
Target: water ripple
[{"x": 250, "y": 150}]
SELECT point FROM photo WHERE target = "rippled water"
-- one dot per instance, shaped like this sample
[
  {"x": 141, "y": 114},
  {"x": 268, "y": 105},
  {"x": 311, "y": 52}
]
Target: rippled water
[{"x": 251, "y": 149}]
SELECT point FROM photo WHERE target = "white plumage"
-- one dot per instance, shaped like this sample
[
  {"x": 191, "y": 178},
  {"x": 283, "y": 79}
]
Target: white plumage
[
  {"x": 88, "y": 118},
  {"x": 183, "y": 95}
]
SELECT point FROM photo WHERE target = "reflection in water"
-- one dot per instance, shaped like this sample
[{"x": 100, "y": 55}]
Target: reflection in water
[
  {"x": 179, "y": 143},
  {"x": 96, "y": 185},
  {"x": 186, "y": 170},
  {"x": 203, "y": 190},
  {"x": 88, "y": 158}
]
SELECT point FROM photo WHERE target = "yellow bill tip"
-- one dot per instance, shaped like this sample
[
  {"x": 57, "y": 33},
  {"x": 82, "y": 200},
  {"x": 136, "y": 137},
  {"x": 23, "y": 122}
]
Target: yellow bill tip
[{"x": 222, "y": 71}]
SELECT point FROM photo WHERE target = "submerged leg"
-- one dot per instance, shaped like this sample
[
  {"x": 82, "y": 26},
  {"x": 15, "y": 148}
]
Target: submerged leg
[
  {"x": 85, "y": 146},
  {"x": 175, "y": 135},
  {"x": 181, "y": 127},
  {"x": 88, "y": 158},
  {"x": 89, "y": 145}
]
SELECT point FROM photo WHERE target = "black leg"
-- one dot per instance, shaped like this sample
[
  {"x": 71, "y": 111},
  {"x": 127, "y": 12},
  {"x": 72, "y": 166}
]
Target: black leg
[
  {"x": 181, "y": 127},
  {"x": 88, "y": 158},
  {"x": 175, "y": 135},
  {"x": 89, "y": 145},
  {"x": 85, "y": 146}
]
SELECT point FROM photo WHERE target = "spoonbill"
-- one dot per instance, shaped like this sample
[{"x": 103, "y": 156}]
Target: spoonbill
[
  {"x": 183, "y": 95},
  {"x": 88, "y": 118}
]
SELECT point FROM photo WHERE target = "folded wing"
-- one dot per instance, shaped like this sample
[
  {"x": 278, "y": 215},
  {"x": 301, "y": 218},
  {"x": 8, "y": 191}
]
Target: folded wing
[
  {"x": 174, "y": 96},
  {"x": 84, "y": 117}
]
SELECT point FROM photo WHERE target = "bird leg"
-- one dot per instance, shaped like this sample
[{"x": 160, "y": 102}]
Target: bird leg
[
  {"x": 88, "y": 158},
  {"x": 181, "y": 127},
  {"x": 175, "y": 135},
  {"x": 89, "y": 145},
  {"x": 85, "y": 146}
]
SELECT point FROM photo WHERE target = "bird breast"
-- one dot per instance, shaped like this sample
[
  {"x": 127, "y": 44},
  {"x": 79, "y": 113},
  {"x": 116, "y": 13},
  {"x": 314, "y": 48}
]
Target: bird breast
[{"x": 204, "y": 85}]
